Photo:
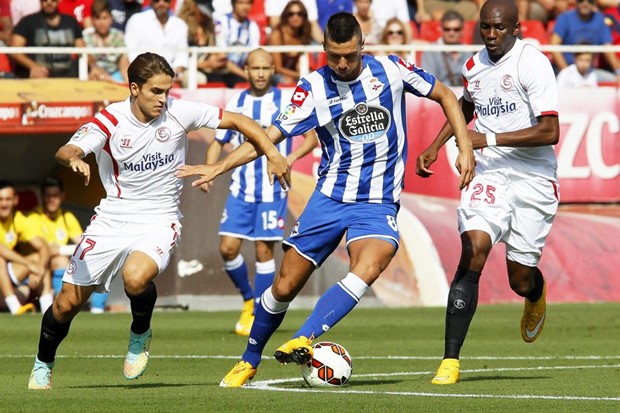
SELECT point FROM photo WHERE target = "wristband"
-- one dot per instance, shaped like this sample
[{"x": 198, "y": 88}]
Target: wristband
[{"x": 491, "y": 141}]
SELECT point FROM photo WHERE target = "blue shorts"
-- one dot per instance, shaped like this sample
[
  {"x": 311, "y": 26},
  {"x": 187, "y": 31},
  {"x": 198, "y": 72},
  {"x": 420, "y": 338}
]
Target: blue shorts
[
  {"x": 262, "y": 221},
  {"x": 323, "y": 223}
]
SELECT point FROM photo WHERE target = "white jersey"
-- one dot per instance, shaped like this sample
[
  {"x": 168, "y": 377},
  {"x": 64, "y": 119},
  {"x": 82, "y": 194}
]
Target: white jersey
[
  {"x": 250, "y": 182},
  {"x": 361, "y": 125},
  {"x": 137, "y": 161},
  {"x": 509, "y": 95}
]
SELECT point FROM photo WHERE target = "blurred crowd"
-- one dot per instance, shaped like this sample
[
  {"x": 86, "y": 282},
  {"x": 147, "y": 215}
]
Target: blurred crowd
[{"x": 168, "y": 26}]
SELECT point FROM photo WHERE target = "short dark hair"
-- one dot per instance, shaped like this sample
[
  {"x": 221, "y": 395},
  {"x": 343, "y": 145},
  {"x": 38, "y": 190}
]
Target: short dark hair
[
  {"x": 147, "y": 65},
  {"x": 100, "y": 6},
  {"x": 51, "y": 182},
  {"x": 451, "y": 15},
  {"x": 6, "y": 184},
  {"x": 341, "y": 28}
]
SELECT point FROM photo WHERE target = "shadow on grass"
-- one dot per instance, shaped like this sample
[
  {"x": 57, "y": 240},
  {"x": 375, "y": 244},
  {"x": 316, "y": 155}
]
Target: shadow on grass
[
  {"x": 137, "y": 386},
  {"x": 494, "y": 378}
]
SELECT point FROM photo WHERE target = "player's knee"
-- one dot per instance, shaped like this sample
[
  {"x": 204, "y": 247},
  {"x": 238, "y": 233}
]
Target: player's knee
[
  {"x": 228, "y": 252},
  {"x": 521, "y": 287},
  {"x": 66, "y": 307}
]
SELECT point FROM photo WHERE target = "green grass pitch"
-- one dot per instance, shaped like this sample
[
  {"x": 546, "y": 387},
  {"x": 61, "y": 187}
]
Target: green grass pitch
[{"x": 573, "y": 367}]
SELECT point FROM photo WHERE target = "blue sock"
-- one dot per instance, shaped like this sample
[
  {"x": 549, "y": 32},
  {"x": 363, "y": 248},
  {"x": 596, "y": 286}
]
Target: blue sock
[
  {"x": 269, "y": 316},
  {"x": 99, "y": 300},
  {"x": 238, "y": 273},
  {"x": 337, "y": 302},
  {"x": 265, "y": 271},
  {"x": 57, "y": 280}
]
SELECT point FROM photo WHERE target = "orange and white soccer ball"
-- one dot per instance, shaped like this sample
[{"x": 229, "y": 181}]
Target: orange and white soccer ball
[{"x": 330, "y": 365}]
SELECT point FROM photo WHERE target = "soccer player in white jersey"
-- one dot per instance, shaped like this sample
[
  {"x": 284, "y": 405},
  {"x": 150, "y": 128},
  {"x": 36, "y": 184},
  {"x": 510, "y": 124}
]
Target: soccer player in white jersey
[
  {"x": 357, "y": 105},
  {"x": 138, "y": 143},
  {"x": 510, "y": 91},
  {"x": 255, "y": 210}
]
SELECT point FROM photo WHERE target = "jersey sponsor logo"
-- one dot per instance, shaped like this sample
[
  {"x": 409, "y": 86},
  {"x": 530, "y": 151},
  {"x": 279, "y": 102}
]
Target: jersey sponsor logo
[
  {"x": 496, "y": 107},
  {"x": 364, "y": 123},
  {"x": 149, "y": 162},
  {"x": 162, "y": 134},
  {"x": 299, "y": 96},
  {"x": 339, "y": 99}
]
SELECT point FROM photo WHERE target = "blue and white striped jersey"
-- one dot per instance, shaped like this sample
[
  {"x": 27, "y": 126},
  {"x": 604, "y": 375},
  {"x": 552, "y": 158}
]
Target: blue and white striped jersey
[
  {"x": 230, "y": 32},
  {"x": 361, "y": 125},
  {"x": 250, "y": 182}
]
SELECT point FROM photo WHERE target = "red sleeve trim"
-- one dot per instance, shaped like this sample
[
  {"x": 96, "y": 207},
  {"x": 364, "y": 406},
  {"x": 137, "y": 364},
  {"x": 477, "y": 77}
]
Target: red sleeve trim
[
  {"x": 102, "y": 127},
  {"x": 549, "y": 113},
  {"x": 110, "y": 117}
]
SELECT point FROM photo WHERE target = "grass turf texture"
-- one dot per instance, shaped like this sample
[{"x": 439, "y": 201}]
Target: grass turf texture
[{"x": 573, "y": 367}]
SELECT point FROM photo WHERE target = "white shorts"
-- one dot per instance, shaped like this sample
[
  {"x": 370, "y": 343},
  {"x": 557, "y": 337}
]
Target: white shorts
[
  {"x": 512, "y": 207},
  {"x": 106, "y": 244}
]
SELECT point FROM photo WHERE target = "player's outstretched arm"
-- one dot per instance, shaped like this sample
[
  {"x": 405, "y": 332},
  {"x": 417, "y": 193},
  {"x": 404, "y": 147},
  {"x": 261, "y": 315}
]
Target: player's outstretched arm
[
  {"x": 71, "y": 156},
  {"x": 277, "y": 166}
]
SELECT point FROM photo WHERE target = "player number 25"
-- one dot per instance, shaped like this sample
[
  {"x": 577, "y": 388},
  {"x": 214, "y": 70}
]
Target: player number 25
[{"x": 489, "y": 193}]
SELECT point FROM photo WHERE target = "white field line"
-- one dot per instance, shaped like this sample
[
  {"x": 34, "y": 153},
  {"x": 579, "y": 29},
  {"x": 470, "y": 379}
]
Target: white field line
[{"x": 269, "y": 385}]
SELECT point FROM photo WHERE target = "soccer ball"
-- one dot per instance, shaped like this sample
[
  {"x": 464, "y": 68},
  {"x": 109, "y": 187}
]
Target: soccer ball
[{"x": 330, "y": 365}]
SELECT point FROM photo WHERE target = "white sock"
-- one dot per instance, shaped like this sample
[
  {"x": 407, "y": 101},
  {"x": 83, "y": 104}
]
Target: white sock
[
  {"x": 13, "y": 303},
  {"x": 46, "y": 301}
]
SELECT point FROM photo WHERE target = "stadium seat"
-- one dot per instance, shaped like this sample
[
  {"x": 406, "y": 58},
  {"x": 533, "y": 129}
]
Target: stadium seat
[
  {"x": 415, "y": 34},
  {"x": 469, "y": 28},
  {"x": 430, "y": 30},
  {"x": 534, "y": 29}
]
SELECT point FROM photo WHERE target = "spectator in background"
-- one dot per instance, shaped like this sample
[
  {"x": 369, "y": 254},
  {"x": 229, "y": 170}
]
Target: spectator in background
[
  {"x": 543, "y": 10},
  {"x": 584, "y": 25},
  {"x": 434, "y": 9},
  {"x": 62, "y": 232},
  {"x": 111, "y": 67},
  {"x": 275, "y": 8},
  {"x": 23, "y": 8},
  {"x": 578, "y": 74},
  {"x": 446, "y": 66},
  {"x": 294, "y": 29},
  {"x": 80, "y": 9},
  {"x": 31, "y": 264},
  {"x": 326, "y": 8},
  {"x": 158, "y": 30},
  {"x": 6, "y": 22},
  {"x": 47, "y": 28},
  {"x": 396, "y": 34},
  {"x": 122, "y": 10},
  {"x": 6, "y": 28},
  {"x": 236, "y": 29},
  {"x": 371, "y": 29},
  {"x": 201, "y": 33}
]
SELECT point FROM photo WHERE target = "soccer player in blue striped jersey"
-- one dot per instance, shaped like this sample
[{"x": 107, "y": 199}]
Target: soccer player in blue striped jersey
[
  {"x": 356, "y": 103},
  {"x": 255, "y": 209}
]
